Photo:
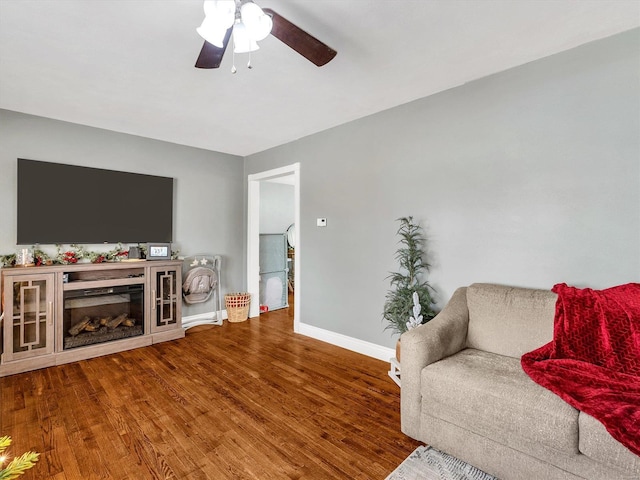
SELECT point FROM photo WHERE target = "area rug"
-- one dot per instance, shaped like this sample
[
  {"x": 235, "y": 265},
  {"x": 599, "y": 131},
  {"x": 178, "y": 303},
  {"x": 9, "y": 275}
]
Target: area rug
[{"x": 427, "y": 463}]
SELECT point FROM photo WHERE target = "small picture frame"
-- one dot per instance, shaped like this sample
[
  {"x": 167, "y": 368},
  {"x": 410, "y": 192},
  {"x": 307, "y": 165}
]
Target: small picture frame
[{"x": 158, "y": 251}]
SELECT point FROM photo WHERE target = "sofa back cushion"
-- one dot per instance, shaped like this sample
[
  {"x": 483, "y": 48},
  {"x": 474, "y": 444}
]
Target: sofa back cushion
[{"x": 509, "y": 321}]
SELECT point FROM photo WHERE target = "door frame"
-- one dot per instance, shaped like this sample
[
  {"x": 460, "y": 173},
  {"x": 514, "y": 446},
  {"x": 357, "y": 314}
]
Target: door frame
[{"x": 253, "y": 237}]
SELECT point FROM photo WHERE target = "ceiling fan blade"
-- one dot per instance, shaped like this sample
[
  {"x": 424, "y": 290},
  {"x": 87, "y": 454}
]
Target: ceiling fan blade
[
  {"x": 305, "y": 44},
  {"x": 210, "y": 55}
]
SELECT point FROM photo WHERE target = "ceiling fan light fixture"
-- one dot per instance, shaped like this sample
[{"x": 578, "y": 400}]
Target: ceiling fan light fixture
[
  {"x": 221, "y": 11},
  {"x": 247, "y": 24},
  {"x": 242, "y": 41},
  {"x": 212, "y": 31},
  {"x": 258, "y": 23}
]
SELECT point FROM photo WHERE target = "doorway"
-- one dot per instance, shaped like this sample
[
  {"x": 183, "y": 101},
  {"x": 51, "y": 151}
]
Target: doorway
[{"x": 253, "y": 236}]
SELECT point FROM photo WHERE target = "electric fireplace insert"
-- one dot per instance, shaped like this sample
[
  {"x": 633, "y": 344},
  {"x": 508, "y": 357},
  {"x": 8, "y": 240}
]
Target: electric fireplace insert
[{"x": 98, "y": 315}]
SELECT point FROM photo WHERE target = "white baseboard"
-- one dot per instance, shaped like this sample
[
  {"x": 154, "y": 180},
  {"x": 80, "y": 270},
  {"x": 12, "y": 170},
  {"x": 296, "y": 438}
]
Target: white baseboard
[
  {"x": 350, "y": 343},
  {"x": 355, "y": 345},
  {"x": 206, "y": 318}
]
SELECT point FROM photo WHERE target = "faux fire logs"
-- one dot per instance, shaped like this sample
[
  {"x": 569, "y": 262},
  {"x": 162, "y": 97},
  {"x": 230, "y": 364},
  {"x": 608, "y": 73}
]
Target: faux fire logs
[
  {"x": 80, "y": 326},
  {"x": 88, "y": 324}
]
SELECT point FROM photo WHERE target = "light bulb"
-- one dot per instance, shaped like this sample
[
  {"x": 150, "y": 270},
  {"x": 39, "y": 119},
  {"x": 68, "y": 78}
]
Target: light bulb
[
  {"x": 221, "y": 11},
  {"x": 212, "y": 32},
  {"x": 257, "y": 22},
  {"x": 242, "y": 42}
]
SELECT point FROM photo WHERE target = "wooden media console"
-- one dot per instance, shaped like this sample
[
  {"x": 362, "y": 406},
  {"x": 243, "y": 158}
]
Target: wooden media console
[{"x": 64, "y": 313}]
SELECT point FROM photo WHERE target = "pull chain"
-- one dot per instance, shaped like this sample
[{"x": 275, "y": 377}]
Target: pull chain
[{"x": 233, "y": 57}]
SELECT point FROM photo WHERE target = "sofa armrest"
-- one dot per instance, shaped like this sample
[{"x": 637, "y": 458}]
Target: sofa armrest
[{"x": 441, "y": 337}]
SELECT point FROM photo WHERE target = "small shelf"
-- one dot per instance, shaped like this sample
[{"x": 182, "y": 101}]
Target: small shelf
[
  {"x": 17, "y": 321},
  {"x": 112, "y": 282},
  {"x": 102, "y": 271},
  {"x": 32, "y": 311}
]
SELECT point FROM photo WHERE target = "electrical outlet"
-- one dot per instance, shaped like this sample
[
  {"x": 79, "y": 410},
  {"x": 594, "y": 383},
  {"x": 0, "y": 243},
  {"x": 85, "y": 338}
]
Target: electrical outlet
[{"x": 321, "y": 222}]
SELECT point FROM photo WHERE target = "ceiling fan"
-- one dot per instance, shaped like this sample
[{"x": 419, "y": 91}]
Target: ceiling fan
[{"x": 246, "y": 23}]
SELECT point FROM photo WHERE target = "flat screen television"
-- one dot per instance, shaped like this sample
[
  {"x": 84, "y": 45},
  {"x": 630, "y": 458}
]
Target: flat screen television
[{"x": 67, "y": 204}]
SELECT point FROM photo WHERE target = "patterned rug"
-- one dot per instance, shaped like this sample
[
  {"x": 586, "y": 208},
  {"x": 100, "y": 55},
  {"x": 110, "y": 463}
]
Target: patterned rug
[{"x": 427, "y": 463}]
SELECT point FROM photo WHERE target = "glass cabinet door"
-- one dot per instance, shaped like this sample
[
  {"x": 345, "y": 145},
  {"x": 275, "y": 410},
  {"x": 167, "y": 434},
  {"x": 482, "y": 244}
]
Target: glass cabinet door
[
  {"x": 166, "y": 292},
  {"x": 28, "y": 330}
]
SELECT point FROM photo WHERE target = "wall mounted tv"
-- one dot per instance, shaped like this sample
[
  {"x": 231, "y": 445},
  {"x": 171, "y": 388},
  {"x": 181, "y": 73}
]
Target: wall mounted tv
[{"x": 66, "y": 204}]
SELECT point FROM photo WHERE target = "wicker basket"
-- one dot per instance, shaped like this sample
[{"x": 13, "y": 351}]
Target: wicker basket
[{"x": 237, "y": 306}]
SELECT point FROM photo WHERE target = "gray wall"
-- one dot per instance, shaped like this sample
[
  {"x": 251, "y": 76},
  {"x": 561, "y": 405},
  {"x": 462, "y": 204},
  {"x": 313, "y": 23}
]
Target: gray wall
[
  {"x": 277, "y": 208},
  {"x": 529, "y": 177},
  {"x": 208, "y": 202}
]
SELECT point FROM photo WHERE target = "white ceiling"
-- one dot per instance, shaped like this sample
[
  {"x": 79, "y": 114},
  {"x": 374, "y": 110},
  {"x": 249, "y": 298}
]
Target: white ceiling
[{"x": 127, "y": 65}]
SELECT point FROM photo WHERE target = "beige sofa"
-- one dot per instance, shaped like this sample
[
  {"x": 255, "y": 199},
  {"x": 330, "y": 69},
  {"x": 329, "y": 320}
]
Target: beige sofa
[{"x": 465, "y": 393}]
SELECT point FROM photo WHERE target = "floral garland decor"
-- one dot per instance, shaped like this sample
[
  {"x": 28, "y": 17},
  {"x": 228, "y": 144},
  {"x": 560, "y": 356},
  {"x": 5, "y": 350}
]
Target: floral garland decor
[
  {"x": 78, "y": 252},
  {"x": 74, "y": 254}
]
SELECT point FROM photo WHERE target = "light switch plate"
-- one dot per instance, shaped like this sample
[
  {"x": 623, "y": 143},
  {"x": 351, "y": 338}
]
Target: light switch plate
[{"x": 321, "y": 222}]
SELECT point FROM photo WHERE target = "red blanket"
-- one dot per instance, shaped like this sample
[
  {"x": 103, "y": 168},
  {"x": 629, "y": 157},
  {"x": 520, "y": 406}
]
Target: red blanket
[{"x": 593, "y": 361}]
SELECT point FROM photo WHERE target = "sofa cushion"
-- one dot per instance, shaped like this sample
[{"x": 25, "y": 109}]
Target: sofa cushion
[
  {"x": 509, "y": 320},
  {"x": 491, "y": 395},
  {"x": 596, "y": 443}
]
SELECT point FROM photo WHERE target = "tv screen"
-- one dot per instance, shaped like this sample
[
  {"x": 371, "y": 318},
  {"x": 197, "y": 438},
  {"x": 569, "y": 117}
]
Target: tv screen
[{"x": 60, "y": 203}]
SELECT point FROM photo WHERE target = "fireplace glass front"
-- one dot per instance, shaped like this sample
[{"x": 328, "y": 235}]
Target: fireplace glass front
[{"x": 99, "y": 315}]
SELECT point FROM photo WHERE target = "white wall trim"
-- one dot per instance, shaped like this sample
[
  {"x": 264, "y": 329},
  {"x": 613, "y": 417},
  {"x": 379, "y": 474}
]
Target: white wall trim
[
  {"x": 350, "y": 343},
  {"x": 253, "y": 231},
  {"x": 253, "y": 245},
  {"x": 201, "y": 319}
]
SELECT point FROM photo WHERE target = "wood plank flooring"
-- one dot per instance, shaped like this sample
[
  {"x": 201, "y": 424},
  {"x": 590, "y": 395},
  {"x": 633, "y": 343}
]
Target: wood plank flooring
[{"x": 248, "y": 400}]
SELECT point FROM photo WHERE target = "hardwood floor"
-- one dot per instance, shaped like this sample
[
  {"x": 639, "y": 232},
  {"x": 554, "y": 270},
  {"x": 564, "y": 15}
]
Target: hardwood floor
[{"x": 248, "y": 400}]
